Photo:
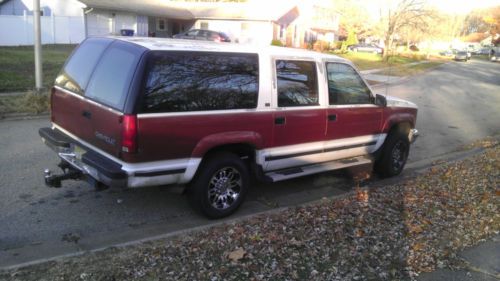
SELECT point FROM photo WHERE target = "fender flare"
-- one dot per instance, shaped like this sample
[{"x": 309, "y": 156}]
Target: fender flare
[
  {"x": 398, "y": 118},
  {"x": 227, "y": 138}
]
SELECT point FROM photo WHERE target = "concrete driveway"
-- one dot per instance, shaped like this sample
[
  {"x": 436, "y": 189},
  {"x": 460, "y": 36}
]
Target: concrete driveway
[{"x": 459, "y": 103}]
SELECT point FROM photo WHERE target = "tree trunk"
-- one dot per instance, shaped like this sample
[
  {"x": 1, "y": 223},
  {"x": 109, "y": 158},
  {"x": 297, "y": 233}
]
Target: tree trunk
[{"x": 388, "y": 47}]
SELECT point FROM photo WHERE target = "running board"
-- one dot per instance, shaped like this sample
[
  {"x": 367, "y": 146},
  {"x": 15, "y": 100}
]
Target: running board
[{"x": 291, "y": 173}]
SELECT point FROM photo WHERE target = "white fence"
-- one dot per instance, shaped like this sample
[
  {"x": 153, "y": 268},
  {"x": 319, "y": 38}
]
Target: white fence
[{"x": 18, "y": 30}]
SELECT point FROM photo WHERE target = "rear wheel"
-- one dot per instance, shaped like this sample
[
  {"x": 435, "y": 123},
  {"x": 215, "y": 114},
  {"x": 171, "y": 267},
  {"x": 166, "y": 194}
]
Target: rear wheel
[
  {"x": 220, "y": 186},
  {"x": 394, "y": 154}
]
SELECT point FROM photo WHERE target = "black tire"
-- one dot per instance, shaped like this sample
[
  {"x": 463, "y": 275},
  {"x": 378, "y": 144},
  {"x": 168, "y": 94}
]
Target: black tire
[
  {"x": 393, "y": 155},
  {"x": 220, "y": 185}
]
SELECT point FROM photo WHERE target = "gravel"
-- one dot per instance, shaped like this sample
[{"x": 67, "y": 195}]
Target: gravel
[{"x": 376, "y": 233}]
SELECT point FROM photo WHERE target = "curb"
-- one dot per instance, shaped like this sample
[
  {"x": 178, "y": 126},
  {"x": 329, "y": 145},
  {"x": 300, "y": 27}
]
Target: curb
[{"x": 23, "y": 116}]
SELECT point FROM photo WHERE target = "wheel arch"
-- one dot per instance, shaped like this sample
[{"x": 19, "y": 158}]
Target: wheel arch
[{"x": 403, "y": 126}]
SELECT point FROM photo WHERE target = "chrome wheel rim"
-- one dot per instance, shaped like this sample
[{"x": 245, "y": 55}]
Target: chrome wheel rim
[
  {"x": 224, "y": 188},
  {"x": 398, "y": 155}
]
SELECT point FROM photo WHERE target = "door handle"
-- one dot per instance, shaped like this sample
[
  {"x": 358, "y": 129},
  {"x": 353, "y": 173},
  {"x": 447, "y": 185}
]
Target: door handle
[
  {"x": 332, "y": 117},
  {"x": 86, "y": 114},
  {"x": 279, "y": 120}
]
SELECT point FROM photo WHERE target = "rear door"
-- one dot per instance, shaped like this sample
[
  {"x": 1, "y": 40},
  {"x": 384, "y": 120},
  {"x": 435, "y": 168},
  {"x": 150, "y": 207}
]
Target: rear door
[
  {"x": 90, "y": 92},
  {"x": 69, "y": 107},
  {"x": 107, "y": 93},
  {"x": 299, "y": 120}
]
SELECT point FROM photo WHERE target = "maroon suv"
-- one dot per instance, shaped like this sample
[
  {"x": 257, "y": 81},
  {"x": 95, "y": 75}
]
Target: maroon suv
[{"x": 134, "y": 112}]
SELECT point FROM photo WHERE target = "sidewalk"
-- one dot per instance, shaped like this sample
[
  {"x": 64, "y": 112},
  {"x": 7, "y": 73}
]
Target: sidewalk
[{"x": 482, "y": 263}]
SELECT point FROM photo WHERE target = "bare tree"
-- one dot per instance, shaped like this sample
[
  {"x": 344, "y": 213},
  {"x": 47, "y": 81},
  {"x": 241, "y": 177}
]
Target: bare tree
[{"x": 406, "y": 13}]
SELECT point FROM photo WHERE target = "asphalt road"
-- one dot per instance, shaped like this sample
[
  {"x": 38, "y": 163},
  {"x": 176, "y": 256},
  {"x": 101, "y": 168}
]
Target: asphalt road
[{"x": 458, "y": 103}]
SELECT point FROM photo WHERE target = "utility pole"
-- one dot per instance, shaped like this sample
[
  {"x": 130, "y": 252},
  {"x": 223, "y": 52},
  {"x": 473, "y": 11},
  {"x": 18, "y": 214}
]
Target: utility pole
[{"x": 37, "y": 46}]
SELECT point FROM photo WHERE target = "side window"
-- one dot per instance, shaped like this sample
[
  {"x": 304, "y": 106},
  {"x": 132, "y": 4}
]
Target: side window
[
  {"x": 111, "y": 78},
  {"x": 202, "y": 33},
  {"x": 345, "y": 86},
  {"x": 297, "y": 83},
  {"x": 192, "y": 33},
  {"x": 76, "y": 73},
  {"x": 194, "y": 81}
]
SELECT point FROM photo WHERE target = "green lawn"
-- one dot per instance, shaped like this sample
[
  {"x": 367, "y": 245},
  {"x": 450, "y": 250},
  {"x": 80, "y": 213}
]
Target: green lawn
[
  {"x": 27, "y": 103},
  {"x": 366, "y": 61},
  {"x": 408, "y": 70},
  {"x": 17, "y": 72}
]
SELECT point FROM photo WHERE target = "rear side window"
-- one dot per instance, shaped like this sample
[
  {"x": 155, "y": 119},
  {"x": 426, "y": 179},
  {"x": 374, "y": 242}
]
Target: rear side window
[
  {"x": 195, "y": 81},
  {"x": 112, "y": 76},
  {"x": 76, "y": 73},
  {"x": 297, "y": 83}
]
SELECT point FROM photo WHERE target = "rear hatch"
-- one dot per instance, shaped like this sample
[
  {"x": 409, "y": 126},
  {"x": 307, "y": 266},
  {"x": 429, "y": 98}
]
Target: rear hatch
[{"x": 89, "y": 99}]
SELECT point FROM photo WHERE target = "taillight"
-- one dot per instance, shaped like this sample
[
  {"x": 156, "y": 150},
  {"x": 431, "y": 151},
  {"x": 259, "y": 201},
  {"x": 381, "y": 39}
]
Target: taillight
[
  {"x": 218, "y": 39},
  {"x": 129, "y": 133}
]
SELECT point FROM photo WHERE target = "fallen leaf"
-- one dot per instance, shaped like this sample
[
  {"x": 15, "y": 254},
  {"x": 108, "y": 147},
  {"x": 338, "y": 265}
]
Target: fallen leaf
[{"x": 237, "y": 255}]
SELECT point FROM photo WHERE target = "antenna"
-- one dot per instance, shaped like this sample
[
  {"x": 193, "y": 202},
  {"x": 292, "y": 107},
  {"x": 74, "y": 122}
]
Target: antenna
[{"x": 388, "y": 76}]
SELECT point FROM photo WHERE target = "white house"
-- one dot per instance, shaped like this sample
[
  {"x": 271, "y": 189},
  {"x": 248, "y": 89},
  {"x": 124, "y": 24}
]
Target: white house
[{"x": 294, "y": 22}]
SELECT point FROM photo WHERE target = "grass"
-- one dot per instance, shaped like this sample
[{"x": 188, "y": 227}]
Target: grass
[
  {"x": 481, "y": 57},
  {"x": 27, "y": 103},
  {"x": 17, "y": 73},
  {"x": 366, "y": 61},
  {"x": 407, "y": 70}
]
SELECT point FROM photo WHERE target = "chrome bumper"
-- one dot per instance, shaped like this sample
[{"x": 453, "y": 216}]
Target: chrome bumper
[{"x": 413, "y": 135}]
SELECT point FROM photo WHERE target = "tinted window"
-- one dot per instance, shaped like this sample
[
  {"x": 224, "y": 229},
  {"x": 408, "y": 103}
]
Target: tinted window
[
  {"x": 76, "y": 73},
  {"x": 187, "y": 81},
  {"x": 345, "y": 86},
  {"x": 111, "y": 79},
  {"x": 297, "y": 83}
]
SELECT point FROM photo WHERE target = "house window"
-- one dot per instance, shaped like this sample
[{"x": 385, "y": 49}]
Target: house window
[
  {"x": 161, "y": 24},
  {"x": 204, "y": 25}
]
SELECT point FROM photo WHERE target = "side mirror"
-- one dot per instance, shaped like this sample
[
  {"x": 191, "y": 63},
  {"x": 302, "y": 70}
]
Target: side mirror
[{"x": 380, "y": 100}]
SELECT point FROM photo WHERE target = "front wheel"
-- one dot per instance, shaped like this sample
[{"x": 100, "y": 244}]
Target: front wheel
[
  {"x": 394, "y": 155},
  {"x": 220, "y": 186}
]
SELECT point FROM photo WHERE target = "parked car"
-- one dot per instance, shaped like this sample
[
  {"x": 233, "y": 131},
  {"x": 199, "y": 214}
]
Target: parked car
[
  {"x": 135, "y": 112},
  {"x": 370, "y": 48},
  {"x": 448, "y": 53},
  {"x": 484, "y": 51},
  {"x": 201, "y": 34},
  {"x": 461, "y": 56}
]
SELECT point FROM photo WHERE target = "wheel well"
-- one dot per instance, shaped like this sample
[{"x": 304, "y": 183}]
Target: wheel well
[
  {"x": 403, "y": 127},
  {"x": 243, "y": 150}
]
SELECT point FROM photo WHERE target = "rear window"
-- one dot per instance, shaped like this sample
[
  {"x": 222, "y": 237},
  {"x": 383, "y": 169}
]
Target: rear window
[
  {"x": 113, "y": 74},
  {"x": 195, "y": 81},
  {"x": 76, "y": 73}
]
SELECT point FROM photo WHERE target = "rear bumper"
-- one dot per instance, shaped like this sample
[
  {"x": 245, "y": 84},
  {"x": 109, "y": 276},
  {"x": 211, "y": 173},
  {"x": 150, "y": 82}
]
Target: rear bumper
[{"x": 89, "y": 162}]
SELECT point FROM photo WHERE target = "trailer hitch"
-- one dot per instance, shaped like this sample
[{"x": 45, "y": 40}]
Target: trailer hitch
[{"x": 69, "y": 172}]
